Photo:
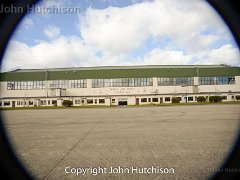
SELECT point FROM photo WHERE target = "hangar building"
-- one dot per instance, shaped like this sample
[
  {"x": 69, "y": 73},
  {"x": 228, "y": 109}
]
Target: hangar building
[{"x": 118, "y": 85}]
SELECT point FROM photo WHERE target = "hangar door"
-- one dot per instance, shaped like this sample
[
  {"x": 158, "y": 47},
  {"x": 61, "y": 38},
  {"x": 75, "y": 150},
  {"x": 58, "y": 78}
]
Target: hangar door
[{"x": 122, "y": 102}]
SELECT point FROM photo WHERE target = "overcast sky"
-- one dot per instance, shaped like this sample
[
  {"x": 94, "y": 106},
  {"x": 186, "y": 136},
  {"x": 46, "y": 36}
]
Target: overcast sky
[{"x": 122, "y": 32}]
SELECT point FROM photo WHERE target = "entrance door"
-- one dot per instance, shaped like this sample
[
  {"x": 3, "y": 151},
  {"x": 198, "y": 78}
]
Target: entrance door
[
  {"x": 137, "y": 101},
  {"x": 161, "y": 100},
  {"x": 13, "y": 103}
]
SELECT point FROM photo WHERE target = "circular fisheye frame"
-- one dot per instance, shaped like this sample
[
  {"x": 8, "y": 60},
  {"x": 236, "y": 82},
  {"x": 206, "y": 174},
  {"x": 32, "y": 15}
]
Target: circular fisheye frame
[
  {"x": 12, "y": 168},
  {"x": 229, "y": 11}
]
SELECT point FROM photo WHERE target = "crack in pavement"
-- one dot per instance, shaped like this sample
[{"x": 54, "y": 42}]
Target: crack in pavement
[{"x": 78, "y": 142}]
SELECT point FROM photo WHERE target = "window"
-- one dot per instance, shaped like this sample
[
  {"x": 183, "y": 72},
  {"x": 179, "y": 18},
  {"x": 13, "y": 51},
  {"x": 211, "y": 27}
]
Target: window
[
  {"x": 113, "y": 100},
  {"x": 43, "y": 102},
  {"x": 89, "y": 101},
  {"x": 101, "y": 101},
  {"x": 122, "y": 82},
  {"x": 80, "y": 83},
  {"x": 115, "y": 83},
  {"x": 54, "y": 102},
  {"x": 143, "y": 99},
  {"x": 25, "y": 85},
  {"x": 127, "y": 82},
  {"x": 77, "y": 101},
  {"x": 95, "y": 101},
  {"x": 149, "y": 99},
  {"x": 217, "y": 80},
  {"x": 30, "y": 103},
  {"x": 154, "y": 99},
  {"x": 225, "y": 80},
  {"x": 143, "y": 82},
  {"x": 30, "y": 85},
  {"x": 184, "y": 81},
  {"x": 59, "y": 84},
  {"x": 10, "y": 86},
  {"x": 206, "y": 80},
  {"x": 165, "y": 81},
  {"x": 40, "y": 84},
  {"x": 98, "y": 83},
  {"x": 190, "y": 98},
  {"x": 172, "y": 81},
  {"x": 6, "y": 103},
  {"x": 167, "y": 99}
]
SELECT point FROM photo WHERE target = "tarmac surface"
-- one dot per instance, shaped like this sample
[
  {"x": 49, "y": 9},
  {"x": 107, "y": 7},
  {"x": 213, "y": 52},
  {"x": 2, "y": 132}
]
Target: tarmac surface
[{"x": 58, "y": 143}]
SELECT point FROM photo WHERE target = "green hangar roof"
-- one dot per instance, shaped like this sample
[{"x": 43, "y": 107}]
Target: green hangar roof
[{"x": 119, "y": 72}]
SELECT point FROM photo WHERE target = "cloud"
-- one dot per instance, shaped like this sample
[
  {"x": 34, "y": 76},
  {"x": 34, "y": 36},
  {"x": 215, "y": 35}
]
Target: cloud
[
  {"x": 52, "y": 31},
  {"x": 123, "y": 30},
  {"x": 226, "y": 54},
  {"x": 72, "y": 52},
  {"x": 164, "y": 57},
  {"x": 59, "y": 52}
]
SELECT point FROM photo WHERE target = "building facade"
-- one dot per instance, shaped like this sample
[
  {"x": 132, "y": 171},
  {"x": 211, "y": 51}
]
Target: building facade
[{"x": 126, "y": 85}]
